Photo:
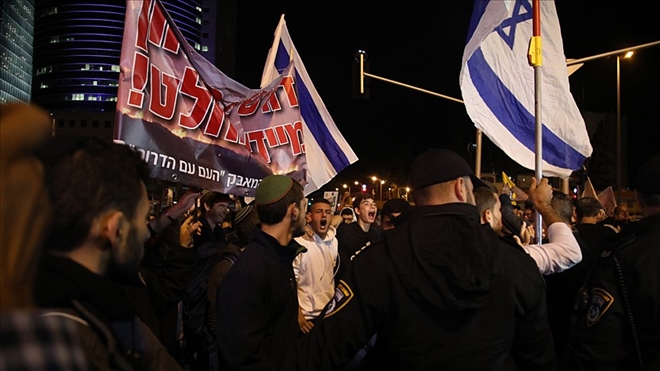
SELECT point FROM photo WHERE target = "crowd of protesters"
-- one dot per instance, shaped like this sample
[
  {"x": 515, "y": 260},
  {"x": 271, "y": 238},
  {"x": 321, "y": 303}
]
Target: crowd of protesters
[{"x": 454, "y": 279}]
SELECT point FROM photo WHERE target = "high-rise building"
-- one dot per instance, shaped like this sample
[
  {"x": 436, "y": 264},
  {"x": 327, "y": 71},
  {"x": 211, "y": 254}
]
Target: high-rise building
[
  {"x": 77, "y": 47},
  {"x": 16, "y": 23}
]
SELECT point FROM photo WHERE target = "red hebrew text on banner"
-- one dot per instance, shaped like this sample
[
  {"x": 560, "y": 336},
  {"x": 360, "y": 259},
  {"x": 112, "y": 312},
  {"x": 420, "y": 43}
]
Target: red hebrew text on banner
[{"x": 193, "y": 124}]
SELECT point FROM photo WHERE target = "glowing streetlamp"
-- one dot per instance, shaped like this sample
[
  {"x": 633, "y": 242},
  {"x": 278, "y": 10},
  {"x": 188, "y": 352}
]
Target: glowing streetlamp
[{"x": 380, "y": 191}]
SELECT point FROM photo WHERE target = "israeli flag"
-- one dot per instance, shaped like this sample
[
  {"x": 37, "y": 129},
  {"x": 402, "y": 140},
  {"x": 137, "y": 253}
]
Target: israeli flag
[
  {"x": 327, "y": 152},
  {"x": 497, "y": 84}
]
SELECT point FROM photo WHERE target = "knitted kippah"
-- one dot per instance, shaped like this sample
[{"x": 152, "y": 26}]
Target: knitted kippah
[{"x": 272, "y": 188}]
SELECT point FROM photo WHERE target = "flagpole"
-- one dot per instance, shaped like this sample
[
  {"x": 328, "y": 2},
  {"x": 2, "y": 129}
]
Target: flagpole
[{"x": 535, "y": 60}]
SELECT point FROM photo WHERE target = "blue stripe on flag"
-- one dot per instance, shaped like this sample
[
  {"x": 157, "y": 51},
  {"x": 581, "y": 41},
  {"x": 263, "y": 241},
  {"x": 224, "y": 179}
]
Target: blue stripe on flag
[
  {"x": 502, "y": 102},
  {"x": 312, "y": 117},
  {"x": 477, "y": 12}
]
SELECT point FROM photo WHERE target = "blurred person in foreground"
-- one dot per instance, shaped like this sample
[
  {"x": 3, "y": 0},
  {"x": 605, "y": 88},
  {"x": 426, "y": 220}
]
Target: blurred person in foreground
[
  {"x": 28, "y": 340},
  {"x": 439, "y": 289},
  {"x": 617, "y": 325},
  {"x": 96, "y": 241}
]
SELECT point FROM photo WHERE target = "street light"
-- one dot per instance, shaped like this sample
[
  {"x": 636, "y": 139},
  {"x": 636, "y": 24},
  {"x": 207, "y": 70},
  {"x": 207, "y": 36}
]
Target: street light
[
  {"x": 380, "y": 191},
  {"x": 619, "y": 153}
]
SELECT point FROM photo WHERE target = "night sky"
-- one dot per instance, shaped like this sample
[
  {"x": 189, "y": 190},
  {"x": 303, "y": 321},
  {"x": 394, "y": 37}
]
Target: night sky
[{"x": 421, "y": 44}]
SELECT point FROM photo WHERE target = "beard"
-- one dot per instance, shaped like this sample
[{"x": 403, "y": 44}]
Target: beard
[
  {"x": 126, "y": 259},
  {"x": 299, "y": 227}
]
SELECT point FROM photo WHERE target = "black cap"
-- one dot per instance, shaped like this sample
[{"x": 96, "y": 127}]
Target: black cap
[
  {"x": 648, "y": 177},
  {"x": 439, "y": 166}
]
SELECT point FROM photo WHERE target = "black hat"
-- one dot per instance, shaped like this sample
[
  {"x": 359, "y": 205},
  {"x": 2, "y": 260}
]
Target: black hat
[
  {"x": 395, "y": 205},
  {"x": 438, "y": 166},
  {"x": 648, "y": 177}
]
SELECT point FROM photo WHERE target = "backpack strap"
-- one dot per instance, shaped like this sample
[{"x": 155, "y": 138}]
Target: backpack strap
[
  {"x": 65, "y": 315},
  {"x": 81, "y": 315}
]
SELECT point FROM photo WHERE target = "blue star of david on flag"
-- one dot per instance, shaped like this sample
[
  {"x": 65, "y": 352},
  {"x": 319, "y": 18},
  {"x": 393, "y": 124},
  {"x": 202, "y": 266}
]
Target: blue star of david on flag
[
  {"x": 512, "y": 22},
  {"x": 497, "y": 84}
]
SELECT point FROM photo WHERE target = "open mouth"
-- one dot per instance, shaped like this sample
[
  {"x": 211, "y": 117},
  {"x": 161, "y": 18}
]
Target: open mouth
[
  {"x": 371, "y": 215},
  {"x": 324, "y": 222}
]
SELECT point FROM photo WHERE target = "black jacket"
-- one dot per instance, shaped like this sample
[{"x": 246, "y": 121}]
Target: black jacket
[
  {"x": 442, "y": 292},
  {"x": 257, "y": 311},
  {"x": 623, "y": 285},
  {"x": 112, "y": 335}
]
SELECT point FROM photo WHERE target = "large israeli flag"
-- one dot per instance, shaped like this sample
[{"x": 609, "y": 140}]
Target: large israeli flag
[
  {"x": 326, "y": 149},
  {"x": 497, "y": 84}
]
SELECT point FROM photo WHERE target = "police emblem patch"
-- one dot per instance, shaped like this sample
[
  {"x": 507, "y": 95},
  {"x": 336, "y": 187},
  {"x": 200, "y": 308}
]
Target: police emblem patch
[
  {"x": 343, "y": 294},
  {"x": 599, "y": 303}
]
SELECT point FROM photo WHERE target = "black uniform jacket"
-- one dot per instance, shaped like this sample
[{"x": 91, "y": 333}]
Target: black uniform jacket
[
  {"x": 442, "y": 292},
  {"x": 623, "y": 285},
  {"x": 257, "y": 306}
]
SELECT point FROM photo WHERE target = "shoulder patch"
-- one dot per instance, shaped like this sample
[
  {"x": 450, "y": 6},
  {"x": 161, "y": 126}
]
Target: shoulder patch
[
  {"x": 599, "y": 303},
  {"x": 343, "y": 294}
]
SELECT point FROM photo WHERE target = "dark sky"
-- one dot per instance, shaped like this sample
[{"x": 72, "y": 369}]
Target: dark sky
[{"x": 421, "y": 44}]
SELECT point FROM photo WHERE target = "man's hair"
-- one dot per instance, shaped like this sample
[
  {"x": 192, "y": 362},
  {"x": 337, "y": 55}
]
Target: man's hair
[
  {"x": 211, "y": 198},
  {"x": 86, "y": 178},
  {"x": 563, "y": 205},
  {"x": 319, "y": 200},
  {"x": 346, "y": 211},
  {"x": 587, "y": 206},
  {"x": 274, "y": 213},
  {"x": 361, "y": 197},
  {"x": 485, "y": 199}
]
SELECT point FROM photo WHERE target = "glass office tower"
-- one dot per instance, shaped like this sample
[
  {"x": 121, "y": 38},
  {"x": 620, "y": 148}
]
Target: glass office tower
[
  {"x": 77, "y": 46},
  {"x": 16, "y": 24}
]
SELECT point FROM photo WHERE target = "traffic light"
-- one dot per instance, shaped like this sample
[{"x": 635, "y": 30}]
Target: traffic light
[
  {"x": 361, "y": 83},
  {"x": 364, "y": 188}
]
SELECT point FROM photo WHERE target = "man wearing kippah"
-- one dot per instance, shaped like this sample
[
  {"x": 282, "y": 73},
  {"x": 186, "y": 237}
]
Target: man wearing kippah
[
  {"x": 257, "y": 303},
  {"x": 439, "y": 289},
  {"x": 618, "y": 311}
]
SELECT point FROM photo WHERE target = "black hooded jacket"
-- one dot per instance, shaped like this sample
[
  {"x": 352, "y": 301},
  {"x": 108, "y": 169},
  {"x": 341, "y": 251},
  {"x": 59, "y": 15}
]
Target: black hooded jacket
[{"x": 441, "y": 291}]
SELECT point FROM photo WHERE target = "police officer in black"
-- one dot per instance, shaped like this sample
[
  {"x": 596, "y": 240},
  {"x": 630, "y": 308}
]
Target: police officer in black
[
  {"x": 439, "y": 290},
  {"x": 618, "y": 313}
]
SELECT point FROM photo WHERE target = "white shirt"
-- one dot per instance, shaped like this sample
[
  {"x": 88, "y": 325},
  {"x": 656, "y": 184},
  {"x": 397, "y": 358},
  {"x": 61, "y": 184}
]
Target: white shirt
[
  {"x": 561, "y": 253},
  {"x": 315, "y": 273}
]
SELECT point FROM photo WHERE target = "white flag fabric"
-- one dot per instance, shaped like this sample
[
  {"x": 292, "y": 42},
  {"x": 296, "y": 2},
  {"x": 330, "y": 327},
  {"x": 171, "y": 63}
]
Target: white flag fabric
[
  {"x": 497, "y": 84},
  {"x": 327, "y": 150},
  {"x": 589, "y": 190}
]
